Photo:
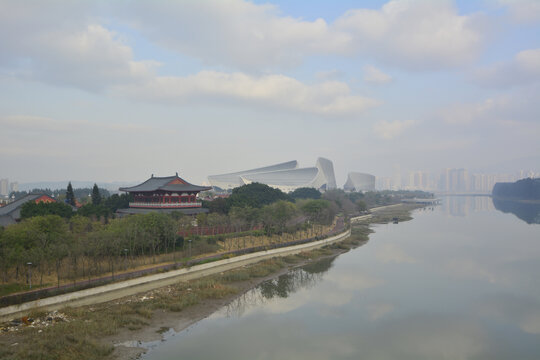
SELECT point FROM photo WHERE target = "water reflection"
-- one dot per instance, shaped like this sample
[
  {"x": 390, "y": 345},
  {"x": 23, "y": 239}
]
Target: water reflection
[
  {"x": 282, "y": 287},
  {"x": 530, "y": 213},
  {"x": 464, "y": 205},
  {"x": 437, "y": 287}
]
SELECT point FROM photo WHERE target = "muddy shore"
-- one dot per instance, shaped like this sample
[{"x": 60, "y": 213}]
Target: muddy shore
[
  {"x": 116, "y": 330},
  {"x": 130, "y": 344}
]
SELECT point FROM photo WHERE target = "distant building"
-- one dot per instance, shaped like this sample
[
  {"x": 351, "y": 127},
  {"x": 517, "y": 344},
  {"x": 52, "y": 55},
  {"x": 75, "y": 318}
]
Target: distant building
[
  {"x": 4, "y": 183},
  {"x": 285, "y": 176},
  {"x": 11, "y": 213},
  {"x": 164, "y": 194},
  {"x": 14, "y": 186},
  {"x": 359, "y": 182}
]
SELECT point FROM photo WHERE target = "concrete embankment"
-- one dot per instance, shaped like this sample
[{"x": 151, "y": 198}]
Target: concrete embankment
[{"x": 125, "y": 288}]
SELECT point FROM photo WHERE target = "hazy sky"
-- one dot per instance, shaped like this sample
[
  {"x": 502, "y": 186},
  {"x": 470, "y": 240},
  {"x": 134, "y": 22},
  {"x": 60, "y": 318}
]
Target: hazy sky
[{"x": 117, "y": 90}]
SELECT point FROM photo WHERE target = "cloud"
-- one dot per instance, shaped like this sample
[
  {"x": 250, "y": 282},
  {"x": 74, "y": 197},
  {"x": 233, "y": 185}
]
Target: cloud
[
  {"x": 390, "y": 130},
  {"x": 26, "y": 123},
  {"x": 470, "y": 112},
  {"x": 414, "y": 34},
  {"x": 375, "y": 76},
  {"x": 68, "y": 47},
  {"x": 330, "y": 98},
  {"x": 523, "y": 69},
  {"x": 239, "y": 34},
  {"x": 523, "y": 11},
  {"x": 234, "y": 33},
  {"x": 518, "y": 107}
]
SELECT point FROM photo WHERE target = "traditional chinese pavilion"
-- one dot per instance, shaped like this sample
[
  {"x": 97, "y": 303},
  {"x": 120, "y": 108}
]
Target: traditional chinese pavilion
[{"x": 170, "y": 193}]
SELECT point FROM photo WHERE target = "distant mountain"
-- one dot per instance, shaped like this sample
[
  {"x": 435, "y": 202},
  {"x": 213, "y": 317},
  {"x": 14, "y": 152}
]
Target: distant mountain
[
  {"x": 525, "y": 189},
  {"x": 56, "y": 185}
]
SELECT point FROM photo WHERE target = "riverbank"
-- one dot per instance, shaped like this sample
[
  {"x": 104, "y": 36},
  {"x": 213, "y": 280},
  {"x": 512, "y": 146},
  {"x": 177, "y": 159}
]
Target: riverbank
[{"x": 90, "y": 332}]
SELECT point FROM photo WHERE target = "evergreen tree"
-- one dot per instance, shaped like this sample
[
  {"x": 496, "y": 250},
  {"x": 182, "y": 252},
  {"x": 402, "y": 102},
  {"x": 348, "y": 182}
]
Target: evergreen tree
[
  {"x": 70, "y": 195},
  {"x": 96, "y": 196}
]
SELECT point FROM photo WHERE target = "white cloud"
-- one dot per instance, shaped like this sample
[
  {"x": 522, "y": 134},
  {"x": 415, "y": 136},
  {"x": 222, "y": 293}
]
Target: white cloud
[
  {"x": 523, "y": 11},
  {"x": 390, "y": 130},
  {"x": 233, "y": 32},
  {"x": 38, "y": 124},
  {"x": 63, "y": 44},
  {"x": 247, "y": 36},
  {"x": 523, "y": 69},
  {"x": 375, "y": 76},
  {"x": 468, "y": 113},
  {"x": 517, "y": 108},
  {"x": 414, "y": 34},
  {"x": 327, "y": 98}
]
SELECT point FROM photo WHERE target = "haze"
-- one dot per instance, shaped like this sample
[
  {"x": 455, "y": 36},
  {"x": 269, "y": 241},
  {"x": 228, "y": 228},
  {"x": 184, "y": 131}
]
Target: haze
[{"x": 115, "y": 91}]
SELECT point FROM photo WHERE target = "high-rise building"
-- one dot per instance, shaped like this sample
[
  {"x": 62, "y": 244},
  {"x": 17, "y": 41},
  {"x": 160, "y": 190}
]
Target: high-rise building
[
  {"x": 4, "y": 183},
  {"x": 14, "y": 186}
]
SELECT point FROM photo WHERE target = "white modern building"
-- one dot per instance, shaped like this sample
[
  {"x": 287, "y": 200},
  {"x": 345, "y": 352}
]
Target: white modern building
[
  {"x": 359, "y": 182},
  {"x": 285, "y": 176}
]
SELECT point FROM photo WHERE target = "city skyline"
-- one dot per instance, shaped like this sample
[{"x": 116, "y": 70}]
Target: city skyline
[{"x": 116, "y": 91}]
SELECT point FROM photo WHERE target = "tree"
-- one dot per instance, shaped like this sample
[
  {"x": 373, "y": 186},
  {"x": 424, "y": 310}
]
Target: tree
[
  {"x": 319, "y": 211},
  {"x": 218, "y": 205},
  {"x": 96, "y": 196},
  {"x": 305, "y": 193},
  {"x": 275, "y": 216},
  {"x": 255, "y": 195},
  {"x": 31, "y": 209},
  {"x": 115, "y": 201},
  {"x": 70, "y": 195}
]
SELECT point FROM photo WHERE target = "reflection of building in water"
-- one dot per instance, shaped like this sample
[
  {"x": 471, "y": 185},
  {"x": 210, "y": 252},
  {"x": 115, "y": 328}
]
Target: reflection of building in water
[
  {"x": 463, "y": 205},
  {"x": 302, "y": 278},
  {"x": 482, "y": 203}
]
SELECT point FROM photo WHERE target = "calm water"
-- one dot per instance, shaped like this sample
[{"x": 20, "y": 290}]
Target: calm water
[{"x": 461, "y": 281}]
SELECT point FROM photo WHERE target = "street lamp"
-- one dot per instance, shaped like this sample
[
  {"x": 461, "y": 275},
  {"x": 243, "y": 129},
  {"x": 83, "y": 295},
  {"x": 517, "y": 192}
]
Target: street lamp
[
  {"x": 189, "y": 241},
  {"x": 29, "y": 273}
]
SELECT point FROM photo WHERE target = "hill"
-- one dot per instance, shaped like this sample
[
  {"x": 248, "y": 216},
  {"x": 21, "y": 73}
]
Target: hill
[{"x": 525, "y": 189}]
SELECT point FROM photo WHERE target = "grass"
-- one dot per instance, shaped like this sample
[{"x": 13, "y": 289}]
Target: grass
[
  {"x": 402, "y": 213},
  {"x": 80, "y": 337},
  {"x": 262, "y": 269},
  {"x": 11, "y": 288}
]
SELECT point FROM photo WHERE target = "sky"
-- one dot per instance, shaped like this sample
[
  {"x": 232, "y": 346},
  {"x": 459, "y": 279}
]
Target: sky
[{"x": 119, "y": 90}]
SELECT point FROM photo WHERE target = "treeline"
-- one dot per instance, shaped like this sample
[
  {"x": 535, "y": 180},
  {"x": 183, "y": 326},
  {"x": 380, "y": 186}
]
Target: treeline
[
  {"x": 79, "y": 246},
  {"x": 80, "y": 193},
  {"x": 105, "y": 208},
  {"x": 76, "y": 246},
  {"x": 525, "y": 189},
  {"x": 88, "y": 243}
]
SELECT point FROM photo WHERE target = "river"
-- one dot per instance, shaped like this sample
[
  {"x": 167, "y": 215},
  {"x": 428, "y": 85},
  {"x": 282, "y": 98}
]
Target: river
[{"x": 459, "y": 281}]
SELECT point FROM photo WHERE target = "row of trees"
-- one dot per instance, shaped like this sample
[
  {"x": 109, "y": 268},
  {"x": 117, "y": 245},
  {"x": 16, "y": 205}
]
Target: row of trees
[
  {"x": 80, "y": 193},
  {"x": 78, "y": 246},
  {"x": 54, "y": 239}
]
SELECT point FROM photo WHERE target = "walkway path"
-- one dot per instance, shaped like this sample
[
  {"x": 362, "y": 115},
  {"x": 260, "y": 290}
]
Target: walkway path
[{"x": 125, "y": 288}]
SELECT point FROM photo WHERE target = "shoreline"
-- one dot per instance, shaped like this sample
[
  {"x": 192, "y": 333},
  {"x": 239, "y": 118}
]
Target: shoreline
[
  {"x": 130, "y": 345},
  {"x": 119, "y": 327}
]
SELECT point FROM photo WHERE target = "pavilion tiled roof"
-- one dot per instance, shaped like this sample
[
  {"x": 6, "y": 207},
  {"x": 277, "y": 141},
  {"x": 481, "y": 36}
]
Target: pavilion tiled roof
[{"x": 168, "y": 183}]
